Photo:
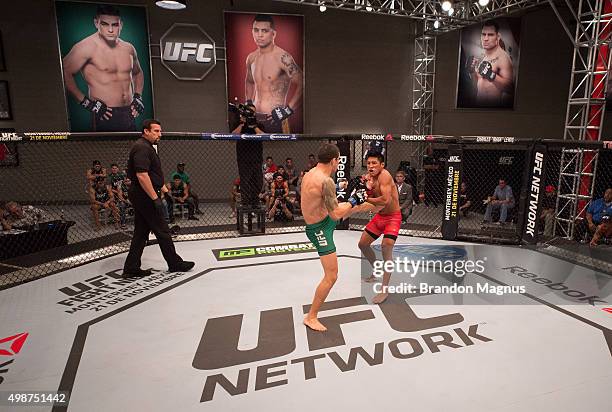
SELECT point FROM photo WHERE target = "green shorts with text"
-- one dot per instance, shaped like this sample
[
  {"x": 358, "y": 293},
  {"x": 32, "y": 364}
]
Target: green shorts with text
[{"x": 322, "y": 235}]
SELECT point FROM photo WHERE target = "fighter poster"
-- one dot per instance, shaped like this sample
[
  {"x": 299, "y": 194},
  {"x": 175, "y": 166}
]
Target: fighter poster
[
  {"x": 265, "y": 72},
  {"x": 106, "y": 65},
  {"x": 489, "y": 64}
]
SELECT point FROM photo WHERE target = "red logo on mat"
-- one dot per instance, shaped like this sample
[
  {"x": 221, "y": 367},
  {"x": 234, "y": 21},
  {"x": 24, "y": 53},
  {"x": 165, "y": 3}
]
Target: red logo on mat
[
  {"x": 609, "y": 310},
  {"x": 389, "y": 137},
  {"x": 12, "y": 348}
]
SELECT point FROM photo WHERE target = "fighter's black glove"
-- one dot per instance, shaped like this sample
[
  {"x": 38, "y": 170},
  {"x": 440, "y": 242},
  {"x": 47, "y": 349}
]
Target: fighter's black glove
[
  {"x": 281, "y": 113},
  {"x": 138, "y": 104},
  {"x": 358, "y": 197},
  {"x": 486, "y": 70},
  {"x": 97, "y": 107},
  {"x": 354, "y": 184},
  {"x": 159, "y": 207}
]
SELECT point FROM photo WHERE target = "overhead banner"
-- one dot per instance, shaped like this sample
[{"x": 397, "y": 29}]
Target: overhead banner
[
  {"x": 450, "y": 220},
  {"x": 106, "y": 66},
  {"x": 265, "y": 79},
  {"x": 489, "y": 64}
]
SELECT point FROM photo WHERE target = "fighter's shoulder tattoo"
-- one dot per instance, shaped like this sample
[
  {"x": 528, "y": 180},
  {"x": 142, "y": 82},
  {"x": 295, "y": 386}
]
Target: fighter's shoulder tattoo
[
  {"x": 289, "y": 64},
  {"x": 494, "y": 60}
]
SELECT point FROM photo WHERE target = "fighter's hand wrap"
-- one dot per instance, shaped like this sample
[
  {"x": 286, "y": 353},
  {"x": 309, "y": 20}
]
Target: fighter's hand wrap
[
  {"x": 358, "y": 197},
  {"x": 97, "y": 107},
  {"x": 159, "y": 206},
  {"x": 281, "y": 113},
  {"x": 138, "y": 104},
  {"x": 485, "y": 69}
]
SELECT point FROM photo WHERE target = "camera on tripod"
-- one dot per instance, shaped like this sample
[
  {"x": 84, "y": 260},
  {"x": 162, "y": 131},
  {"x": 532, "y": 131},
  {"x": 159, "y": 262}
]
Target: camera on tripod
[{"x": 246, "y": 110}]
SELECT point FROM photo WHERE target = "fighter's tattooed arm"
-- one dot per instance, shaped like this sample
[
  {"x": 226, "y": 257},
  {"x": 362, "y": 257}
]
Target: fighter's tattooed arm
[{"x": 289, "y": 65}]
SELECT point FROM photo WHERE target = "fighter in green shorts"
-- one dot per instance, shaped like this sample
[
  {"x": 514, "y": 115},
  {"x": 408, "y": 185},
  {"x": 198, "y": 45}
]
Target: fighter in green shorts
[{"x": 321, "y": 210}]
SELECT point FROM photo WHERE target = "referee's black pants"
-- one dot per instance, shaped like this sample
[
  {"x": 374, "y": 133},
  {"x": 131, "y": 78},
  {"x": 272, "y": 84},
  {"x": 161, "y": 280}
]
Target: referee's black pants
[{"x": 147, "y": 220}]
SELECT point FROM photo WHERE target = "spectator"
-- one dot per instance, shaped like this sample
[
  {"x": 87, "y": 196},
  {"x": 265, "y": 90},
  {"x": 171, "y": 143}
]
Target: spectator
[
  {"x": 92, "y": 174},
  {"x": 464, "y": 200},
  {"x": 269, "y": 166},
  {"x": 293, "y": 204},
  {"x": 279, "y": 189},
  {"x": 292, "y": 173},
  {"x": 101, "y": 197},
  {"x": 405, "y": 194},
  {"x": 502, "y": 199},
  {"x": 116, "y": 178},
  {"x": 597, "y": 223},
  {"x": 123, "y": 202},
  {"x": 14, "y": 215},
  {"x": 281, "y": 170},
  {"x": 548, "y": 210},
  {"x": 281, "y": 210},
  {"x": 235, "y": 195},
  {"x": 311, "y": 162},
  {"x": 265, "y": 194},
  {"x": 180, "y": 170},
  {"x": 178, "y": 193}
]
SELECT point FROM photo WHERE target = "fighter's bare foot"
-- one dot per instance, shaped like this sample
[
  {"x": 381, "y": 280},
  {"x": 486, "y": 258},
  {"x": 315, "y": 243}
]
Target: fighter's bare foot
[
  {"x": 314, "y": 324},
  {"x": 371, "y": 279},
  {"x": 380, "y": 298}
]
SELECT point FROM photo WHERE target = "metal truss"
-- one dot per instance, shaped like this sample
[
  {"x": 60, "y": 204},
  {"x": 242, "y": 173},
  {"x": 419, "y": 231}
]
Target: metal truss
[
  {"x": 586, "y": 105},
  {"x": 465, "y": 12},
  {"x": 423, "y": 84},
  {"x": 575, "y": 188}
]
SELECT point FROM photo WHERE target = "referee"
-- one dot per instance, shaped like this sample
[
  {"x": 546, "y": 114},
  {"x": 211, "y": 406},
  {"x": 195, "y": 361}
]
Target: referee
[{"x": 144, "y": 169}]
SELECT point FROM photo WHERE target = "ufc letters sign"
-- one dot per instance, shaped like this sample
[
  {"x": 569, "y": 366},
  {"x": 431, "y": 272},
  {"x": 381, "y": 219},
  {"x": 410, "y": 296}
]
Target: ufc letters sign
[{"x": 188, "y": 52}]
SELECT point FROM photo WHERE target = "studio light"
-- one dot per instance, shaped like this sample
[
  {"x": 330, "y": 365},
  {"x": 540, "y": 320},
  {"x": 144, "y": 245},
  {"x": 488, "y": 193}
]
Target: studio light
[
  {"x": 446, "y": 5},
  {"x": 322, "y": 8},
  {"x": 368, "y": 7},
  {"x": 483, "y": 3},
  {"x": 437, "y": 24},
  {"x": 451, "y": 11},
  {"x": 172, "y": 4}
]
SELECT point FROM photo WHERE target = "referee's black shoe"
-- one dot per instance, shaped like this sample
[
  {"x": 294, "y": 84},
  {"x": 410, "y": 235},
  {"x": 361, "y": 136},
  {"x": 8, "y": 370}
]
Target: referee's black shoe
[
  {"x": 136, "y": 273},
  {"x": 183, "y": 266}
]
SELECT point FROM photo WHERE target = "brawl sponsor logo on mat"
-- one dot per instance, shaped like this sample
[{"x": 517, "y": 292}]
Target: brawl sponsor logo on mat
[
  {"x": 218, "y": 347},
  {"x": 10, "y": 347},
  {"x": 264, "y": 250},
  {"x": 103, "y": 291}
]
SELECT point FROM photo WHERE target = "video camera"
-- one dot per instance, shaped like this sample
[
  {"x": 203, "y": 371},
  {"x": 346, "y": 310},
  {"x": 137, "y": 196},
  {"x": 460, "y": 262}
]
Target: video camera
[{"x": 246, "y": 110}]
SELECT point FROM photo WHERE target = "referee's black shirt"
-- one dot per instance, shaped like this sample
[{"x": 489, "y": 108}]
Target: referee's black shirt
[{"x": 144, "y": 158}]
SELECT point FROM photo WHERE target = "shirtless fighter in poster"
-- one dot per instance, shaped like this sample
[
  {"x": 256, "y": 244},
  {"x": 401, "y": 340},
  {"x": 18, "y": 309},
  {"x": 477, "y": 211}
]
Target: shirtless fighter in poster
[
  {"x": 493, "y": 73},
  {"x": 111, "y": 69},
  {"x": 271, "y": 71}
]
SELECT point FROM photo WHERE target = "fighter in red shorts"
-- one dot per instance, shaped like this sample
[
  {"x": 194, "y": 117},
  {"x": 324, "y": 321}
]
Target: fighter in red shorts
[{"x": 386, "y": 222}]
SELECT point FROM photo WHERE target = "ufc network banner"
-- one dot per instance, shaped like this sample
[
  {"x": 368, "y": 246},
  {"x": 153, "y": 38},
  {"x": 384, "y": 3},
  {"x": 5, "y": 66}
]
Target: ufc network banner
[
  {"x": 343, "y": 172},
  {"x": 450, "y": 220},
  {"x": 534, "y": 198}
]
